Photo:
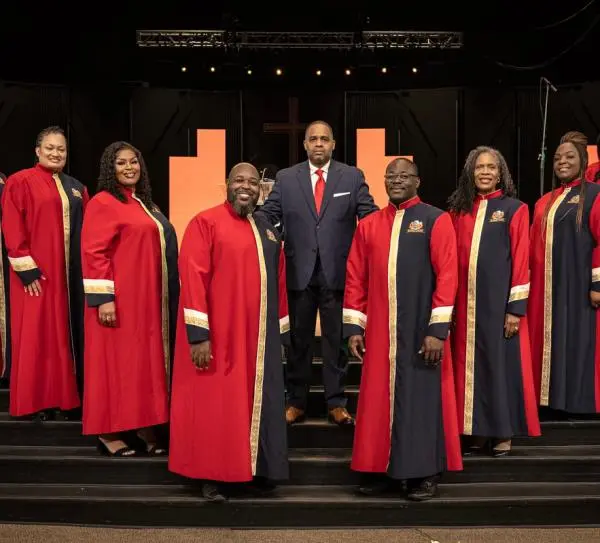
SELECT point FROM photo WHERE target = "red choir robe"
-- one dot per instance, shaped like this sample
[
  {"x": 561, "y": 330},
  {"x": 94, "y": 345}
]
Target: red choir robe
[
  {"x": 129, "y": 257},
  {"x": 42, "y": 216},
  {"x": 4, "y": 305},
  {"x": 563, "y": 326},
  {"x": 592, "y": 174},
  {"x": 400, "y": 287},
  {"x": 228, "y": 422},
  {"x": 493, "y": 375}
]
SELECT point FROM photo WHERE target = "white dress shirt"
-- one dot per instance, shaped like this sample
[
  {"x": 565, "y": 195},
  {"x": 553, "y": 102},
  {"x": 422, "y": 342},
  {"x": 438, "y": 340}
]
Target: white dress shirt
[{"x": 313, "y": 173}]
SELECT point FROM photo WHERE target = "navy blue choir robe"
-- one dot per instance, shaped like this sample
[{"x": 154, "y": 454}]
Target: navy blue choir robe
[
  {"x": 493, "y": 375},
  {"x": 563, "y": 325},
  {"x": 400, "y": 287}
]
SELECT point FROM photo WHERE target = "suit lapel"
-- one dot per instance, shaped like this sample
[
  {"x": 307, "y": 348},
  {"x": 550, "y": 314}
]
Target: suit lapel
[
  {"x": 306, "y": 186},
  {"x": 333, "y": 177}
]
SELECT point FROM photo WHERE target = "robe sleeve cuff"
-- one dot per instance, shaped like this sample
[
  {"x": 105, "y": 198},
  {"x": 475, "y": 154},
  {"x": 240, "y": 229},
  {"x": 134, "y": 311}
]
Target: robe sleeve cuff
[
  {"x": 439, "y": 323},
  {"x": 196, "y": 325},
  {"x": 354, "y": 322},
  {"x": 284, "y": 330},
  {"x": 26, "y": 268},
  {"x": 98, "y": 291},
  {"x": 596, "y": 279},
  {"x": 517, "y": 300}
]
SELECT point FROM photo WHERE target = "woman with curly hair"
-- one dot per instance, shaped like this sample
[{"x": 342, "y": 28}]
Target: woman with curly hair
[
  {"x": 491, "y": 353},
  {"x": 129, "y": 252},
  {"x": 565, "y": 285}
]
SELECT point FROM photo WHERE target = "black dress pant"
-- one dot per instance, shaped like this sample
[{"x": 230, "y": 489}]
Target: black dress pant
[{"x": 303, "y": 307}]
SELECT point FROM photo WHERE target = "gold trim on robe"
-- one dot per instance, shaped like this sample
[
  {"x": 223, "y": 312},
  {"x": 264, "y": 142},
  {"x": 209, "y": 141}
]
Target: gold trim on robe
[
  {"x": 442, "y": 314},
  {"x": 260, "y": 351},
  {"x": 393, "y": 315},
  {"x": 547, "y": 341},
  {"x": 98, "y": 286},
  {"x": 352, "y": 316},
  {"x": 66, "y": 216},
  {"x": 518, "y": 293},
  {"x": 165, "y": 288},
  {"x": 471, "y": 319},
  {"x": 22, "y": 263},
  {"x": 195, "y": 318},
  {"x": 595, "y": 275}
]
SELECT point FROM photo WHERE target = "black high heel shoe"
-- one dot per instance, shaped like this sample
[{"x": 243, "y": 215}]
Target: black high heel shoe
[{"x": 123, "y": 452}]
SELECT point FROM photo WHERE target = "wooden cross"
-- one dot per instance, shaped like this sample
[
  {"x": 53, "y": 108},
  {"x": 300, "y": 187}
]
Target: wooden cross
[{"x": 293, "y": 128}]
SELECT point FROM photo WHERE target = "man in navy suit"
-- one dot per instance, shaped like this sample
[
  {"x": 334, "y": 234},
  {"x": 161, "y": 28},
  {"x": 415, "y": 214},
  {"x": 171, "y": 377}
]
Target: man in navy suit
[{"x": 316, "y": 203}]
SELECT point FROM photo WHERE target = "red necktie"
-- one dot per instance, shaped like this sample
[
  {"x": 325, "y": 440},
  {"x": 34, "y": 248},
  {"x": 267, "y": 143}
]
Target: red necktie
[{"x": 319, "y": 189}]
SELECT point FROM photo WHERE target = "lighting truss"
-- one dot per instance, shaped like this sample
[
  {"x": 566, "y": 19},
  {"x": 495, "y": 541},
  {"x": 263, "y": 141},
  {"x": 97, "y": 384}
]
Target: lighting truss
[{"x": 222, "y": 39}]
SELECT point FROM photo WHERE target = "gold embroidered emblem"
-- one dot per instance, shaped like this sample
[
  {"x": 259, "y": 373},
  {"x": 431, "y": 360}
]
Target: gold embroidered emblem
[
  {"x": 76, "y": 193},
  {"x": 574, "y": 200},
  {"x": 416, "y": 227},
  {"x": 271, "y": 236},
  {"x": 497, "y": 216}
]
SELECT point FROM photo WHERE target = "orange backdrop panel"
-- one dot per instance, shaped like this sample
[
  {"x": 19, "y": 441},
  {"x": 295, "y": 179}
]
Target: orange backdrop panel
[
  {"x": 197, "y": 183},
  {"x": 372, "y": 160},
  {"x": 592, "y": 154}
]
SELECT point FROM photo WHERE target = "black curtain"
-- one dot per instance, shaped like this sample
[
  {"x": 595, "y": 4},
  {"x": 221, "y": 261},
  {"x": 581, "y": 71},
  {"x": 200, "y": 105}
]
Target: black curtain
[
  {"x": 272, "y": 150},
  {"x": 164, "y": 124},
  {"x": 418, "y": 123}
]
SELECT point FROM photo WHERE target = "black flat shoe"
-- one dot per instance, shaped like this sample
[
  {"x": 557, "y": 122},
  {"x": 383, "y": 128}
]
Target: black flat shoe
[
  {"x": 210, "y": 492},
  {"x": 123, "y": 452},
  {"x": 155, "y": 450},
  {"x": 424, "y": 490}
]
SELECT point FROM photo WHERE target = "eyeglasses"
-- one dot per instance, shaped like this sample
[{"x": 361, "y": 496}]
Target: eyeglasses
[{"x": 400, "y": 176}]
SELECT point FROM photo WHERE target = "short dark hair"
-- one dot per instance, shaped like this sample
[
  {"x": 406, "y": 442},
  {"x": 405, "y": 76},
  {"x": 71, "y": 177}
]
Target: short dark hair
[
  {"x": 2, "y": 176},
  {"x": 46, "y": 132},
  {"x": 404, "y": 159},
  {"x": 324, "y": 123}
]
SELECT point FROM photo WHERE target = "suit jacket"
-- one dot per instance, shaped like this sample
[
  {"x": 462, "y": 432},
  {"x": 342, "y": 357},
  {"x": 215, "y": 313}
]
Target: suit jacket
[{"x": 291, "y": 207}]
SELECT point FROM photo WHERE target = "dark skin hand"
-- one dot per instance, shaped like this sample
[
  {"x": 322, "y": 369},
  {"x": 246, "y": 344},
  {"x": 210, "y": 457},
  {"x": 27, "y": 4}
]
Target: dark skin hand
[
  {"x": 201, "y": 355},
  {"x": 595, "y": 299},
  {"x": 511, "y": 325},
  {"x": 432, "y": 350},
  {"x": 356, "y": 344},
  {"x": 35, "y": 287}
]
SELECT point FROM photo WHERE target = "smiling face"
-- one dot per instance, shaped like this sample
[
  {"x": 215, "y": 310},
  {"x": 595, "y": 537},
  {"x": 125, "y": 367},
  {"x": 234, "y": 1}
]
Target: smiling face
[
  {"x": 567, "y": 163},
  {"x": 243, "y": 189},
  {"x": 127, "y": 168},
  {"x": 487, "y": 173},
  {"x": 52, "y": 152},
  {"x": 401, "y": 181}
]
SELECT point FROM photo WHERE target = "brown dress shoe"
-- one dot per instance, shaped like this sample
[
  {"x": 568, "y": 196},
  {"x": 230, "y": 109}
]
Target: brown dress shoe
[
  {"x": 340, "y": 416},
  {"x": 293, "y": 415}
]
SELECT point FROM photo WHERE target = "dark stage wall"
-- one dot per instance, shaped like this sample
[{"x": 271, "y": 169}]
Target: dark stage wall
[{"x": 438, "y": 126}]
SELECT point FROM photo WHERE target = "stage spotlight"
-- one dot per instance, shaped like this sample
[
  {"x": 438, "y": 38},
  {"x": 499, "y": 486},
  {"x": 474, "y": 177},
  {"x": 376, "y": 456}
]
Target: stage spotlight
[
  {"x": 414, "y": 70},
  {"x": 278, "y": 71},
  {"x": 318, "y": 72},
  {"x": 184, "y": 69},
  {"x": 348, "y": 72},
  {"x": 249, "y": 71},
  {"x": 213, "y": 69},
  {"x": 384, "y": 70}
]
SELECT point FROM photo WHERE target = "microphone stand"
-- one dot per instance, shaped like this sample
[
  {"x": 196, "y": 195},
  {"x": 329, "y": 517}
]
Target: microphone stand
[{"x": 542, "y": 155}]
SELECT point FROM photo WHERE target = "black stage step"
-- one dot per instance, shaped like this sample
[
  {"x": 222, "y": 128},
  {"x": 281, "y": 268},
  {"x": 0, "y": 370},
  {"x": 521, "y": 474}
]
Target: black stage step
[
  {"x": 316, "y": 400},
  {"x": 84, "y": 465},
  {"x": 306, "y": 506},
  {"x": 314, "y": 434}
]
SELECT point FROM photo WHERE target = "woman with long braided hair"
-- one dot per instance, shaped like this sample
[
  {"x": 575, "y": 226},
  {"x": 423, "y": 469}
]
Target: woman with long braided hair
[
  {"x": 130, "y": 278},
  {"x": 565, "y": 285},
  {"x": 492, "y": 360}
]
